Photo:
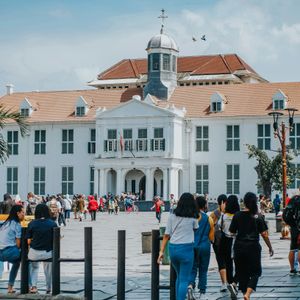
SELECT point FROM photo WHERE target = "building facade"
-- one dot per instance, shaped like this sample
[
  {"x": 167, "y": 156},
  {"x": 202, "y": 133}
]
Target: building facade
[{"x": 181, "y": 124}]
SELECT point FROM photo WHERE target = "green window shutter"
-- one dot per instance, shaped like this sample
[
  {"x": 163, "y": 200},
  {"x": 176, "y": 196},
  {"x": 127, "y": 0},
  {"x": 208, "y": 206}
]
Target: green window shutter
[
  {"x": 105, "y": 146},
  {"x": 152, "y": 145},
  {"x": 163, "y": 144}
]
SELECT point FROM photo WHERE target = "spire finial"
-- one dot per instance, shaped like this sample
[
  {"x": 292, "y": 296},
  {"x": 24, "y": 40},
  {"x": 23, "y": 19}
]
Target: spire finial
[{"x": 162, "y": 17}]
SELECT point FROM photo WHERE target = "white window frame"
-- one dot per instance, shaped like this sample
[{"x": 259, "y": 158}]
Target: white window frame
[
  {"x": 12, "y": 185},
  {"x": 202, "y": 183},
  {"x": 69, "y": 143},
  {"x": 13, "y": 144},
  {"x": 264, "y": 140},
  {"x": 202, "y": 143},
  {"x": 233, "y": 139},
  {"x": 39, "y": 144},
  {"x": 39, "y": 181},
  {"x": 295, "y": 137},
  {"x": 233, "y": 183},
  {"x": 68, "y": 181}
]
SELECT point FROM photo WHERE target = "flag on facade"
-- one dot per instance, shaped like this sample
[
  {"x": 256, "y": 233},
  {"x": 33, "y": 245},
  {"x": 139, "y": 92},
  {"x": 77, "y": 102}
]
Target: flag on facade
[{"x": 121, "y": 142}]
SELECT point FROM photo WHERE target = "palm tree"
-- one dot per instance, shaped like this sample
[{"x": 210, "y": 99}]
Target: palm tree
[{"x": 6, "y": 115}]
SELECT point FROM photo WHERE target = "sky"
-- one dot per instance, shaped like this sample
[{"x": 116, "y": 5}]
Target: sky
[{"x": 62, "y": 44}]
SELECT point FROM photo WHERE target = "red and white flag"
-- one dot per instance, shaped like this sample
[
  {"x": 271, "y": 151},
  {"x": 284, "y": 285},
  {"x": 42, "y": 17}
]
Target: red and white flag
[{"x": 121, "y": 142}]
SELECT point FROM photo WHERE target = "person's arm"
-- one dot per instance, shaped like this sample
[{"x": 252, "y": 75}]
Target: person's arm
[
  {"x": 162, "y": 248},
  {"x": 265, "y": 236},
  {"x": 211, "y": 234}
]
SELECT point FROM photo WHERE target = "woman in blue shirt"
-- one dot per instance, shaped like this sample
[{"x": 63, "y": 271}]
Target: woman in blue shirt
[{"x": 10, "y": 243}]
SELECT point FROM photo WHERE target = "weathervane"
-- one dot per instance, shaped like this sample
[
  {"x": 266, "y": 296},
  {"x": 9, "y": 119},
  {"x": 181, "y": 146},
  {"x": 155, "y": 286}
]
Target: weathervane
[{"x": 162, "y": 17}]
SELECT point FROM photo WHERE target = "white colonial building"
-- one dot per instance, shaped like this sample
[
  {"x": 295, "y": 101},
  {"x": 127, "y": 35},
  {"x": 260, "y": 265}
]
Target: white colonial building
[{"x": 155, "y": 126}]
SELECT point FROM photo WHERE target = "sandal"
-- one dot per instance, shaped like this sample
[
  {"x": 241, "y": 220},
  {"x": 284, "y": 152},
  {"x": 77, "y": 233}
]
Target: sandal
[
  {"x": 12, "y": 291},
  {"x": 33, "y": 290}
]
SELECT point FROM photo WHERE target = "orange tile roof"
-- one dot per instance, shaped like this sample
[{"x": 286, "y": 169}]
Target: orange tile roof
[
  {"x": 59, "y": 106},
  {"x": 196, "y": 65},
  {"x": 242, "y": 100}
]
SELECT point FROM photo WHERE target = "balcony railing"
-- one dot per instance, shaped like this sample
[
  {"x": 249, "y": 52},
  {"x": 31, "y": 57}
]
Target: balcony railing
[{"x": 138, "y": 145}]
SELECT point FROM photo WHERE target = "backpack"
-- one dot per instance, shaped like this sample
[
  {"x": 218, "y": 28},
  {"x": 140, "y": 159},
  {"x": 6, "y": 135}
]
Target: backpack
[
  {"x": 291, "y": 214},
  {"x": 218, "y": 229},
  {"x": 54, "y": 210}
]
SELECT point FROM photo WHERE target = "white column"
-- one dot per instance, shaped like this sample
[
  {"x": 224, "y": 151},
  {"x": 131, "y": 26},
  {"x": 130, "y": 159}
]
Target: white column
[
  {"x": 166, "y": 184},
  {"x": 149, "y": 184},
  {"x": 102, "y": 187},
  {"x": 96, "y": 181},
  {"x": 119, "y": 187},
  {"x": 173, "y": 182}
]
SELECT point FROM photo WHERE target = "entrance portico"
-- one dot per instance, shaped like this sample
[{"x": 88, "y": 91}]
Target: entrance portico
[{"x": 141, "y": 176}]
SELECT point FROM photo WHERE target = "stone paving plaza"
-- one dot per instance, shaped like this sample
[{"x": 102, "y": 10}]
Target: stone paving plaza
[{"x": 275, "y": 282}]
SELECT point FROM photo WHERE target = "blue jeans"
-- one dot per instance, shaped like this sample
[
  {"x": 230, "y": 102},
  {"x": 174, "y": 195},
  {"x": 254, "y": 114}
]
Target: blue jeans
[
  {"x": 182, "y": 258},
  {"x": 67, "y": 213},
  {"x": 12, "y": 255},
  {"x": 201, "y": 263}
]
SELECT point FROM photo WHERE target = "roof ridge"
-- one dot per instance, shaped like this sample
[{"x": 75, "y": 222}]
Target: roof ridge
[
  {"x": 226, "y": 64},
  {"x": 134, "y": 67}
]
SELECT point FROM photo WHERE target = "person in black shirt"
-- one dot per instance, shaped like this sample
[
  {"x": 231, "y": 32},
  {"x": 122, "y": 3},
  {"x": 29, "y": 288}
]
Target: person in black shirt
[
  {"x": 247, "y": 226},
  {"x": 40, "y": 239}
]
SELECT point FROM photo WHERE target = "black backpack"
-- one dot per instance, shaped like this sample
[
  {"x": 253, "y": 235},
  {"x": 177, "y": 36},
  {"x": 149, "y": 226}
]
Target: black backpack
[{"x": 291, "y": 214}]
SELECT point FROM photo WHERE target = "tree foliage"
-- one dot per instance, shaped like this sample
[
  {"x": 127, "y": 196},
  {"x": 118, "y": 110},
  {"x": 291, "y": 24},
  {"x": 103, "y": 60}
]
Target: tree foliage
[
  {"x": 7, "y": 115},
  {"x": 269, "y": 169}
]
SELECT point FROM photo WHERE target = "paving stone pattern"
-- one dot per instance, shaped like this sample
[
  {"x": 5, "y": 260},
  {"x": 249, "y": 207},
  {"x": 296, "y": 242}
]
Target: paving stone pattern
[{"x": 275, "y": 282}]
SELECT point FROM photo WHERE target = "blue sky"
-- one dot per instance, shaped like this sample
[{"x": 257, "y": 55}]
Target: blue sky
[{"x": 62, "y": 44}]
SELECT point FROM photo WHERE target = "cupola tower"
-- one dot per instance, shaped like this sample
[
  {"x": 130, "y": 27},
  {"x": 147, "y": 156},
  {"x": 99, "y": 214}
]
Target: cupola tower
[{"x": 162, "y": 64}]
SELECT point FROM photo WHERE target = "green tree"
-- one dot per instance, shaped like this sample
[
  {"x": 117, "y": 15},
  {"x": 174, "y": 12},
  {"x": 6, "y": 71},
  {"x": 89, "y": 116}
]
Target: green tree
[
  {"x": 269, "y": 170},
  {"x": 7, "y": 115}
]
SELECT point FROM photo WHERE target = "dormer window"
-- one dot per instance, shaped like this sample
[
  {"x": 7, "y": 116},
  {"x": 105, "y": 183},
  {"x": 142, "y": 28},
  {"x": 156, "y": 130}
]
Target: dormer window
[
  {"x": 217, "y": 101},
  {"x": 26, "y": 108},
  {"x": 216, "y": 106},
  {"x": 80, "y": 111},
  {"x": 24, "y": 112},
  {"x": 81, "y": 108},
  {"x": 279, "y": 100}
]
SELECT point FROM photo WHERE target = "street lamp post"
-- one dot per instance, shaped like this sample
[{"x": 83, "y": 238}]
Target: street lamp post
[{"x": 280, "y": 133}]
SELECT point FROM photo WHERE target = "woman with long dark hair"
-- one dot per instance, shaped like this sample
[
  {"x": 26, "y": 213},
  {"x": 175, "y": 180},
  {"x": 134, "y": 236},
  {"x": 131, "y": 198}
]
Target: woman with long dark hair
[
  {"x": 204, "y": 235},
  {"x": 248, "y": 225},
  {"x": 10, "y": 243},
  {"x": 231, "y": 207},
  {"x": 180, "y": 231},
  {"x": 40, "y": 240}
]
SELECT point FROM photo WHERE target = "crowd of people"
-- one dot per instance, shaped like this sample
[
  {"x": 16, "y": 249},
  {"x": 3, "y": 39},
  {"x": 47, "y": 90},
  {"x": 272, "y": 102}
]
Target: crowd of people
[
  {"x": 234, "y": 235},
  {"x": 233, "y": 230}
]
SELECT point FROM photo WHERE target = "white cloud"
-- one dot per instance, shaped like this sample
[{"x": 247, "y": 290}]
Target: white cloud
[{"x": 260, "y": 32}]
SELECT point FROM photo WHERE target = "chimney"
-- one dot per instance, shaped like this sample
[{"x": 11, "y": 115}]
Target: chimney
[{"x": 9, "y": 89}]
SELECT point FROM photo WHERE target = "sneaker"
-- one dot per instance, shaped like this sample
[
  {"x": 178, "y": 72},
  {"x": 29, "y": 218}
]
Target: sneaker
[
  {"x": 203, "y": 296},
  {"x": 190, "y": 294},
  {"x": 223, "y": 288},
  {"x": 293, "y": 272},
  {"x": 233, "y": 290}
]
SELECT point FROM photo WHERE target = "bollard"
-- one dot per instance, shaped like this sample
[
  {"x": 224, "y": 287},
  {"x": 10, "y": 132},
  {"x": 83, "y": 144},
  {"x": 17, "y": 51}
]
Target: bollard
[
  {"x": 155, "y": 266},
  {"x": 24, "y": 262},
  {"x": 121, "y": 265},
  {"x": 88, "y": 263},
  {"x": 56, "y": 262},
  {"x": 172, "y": 283}
]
